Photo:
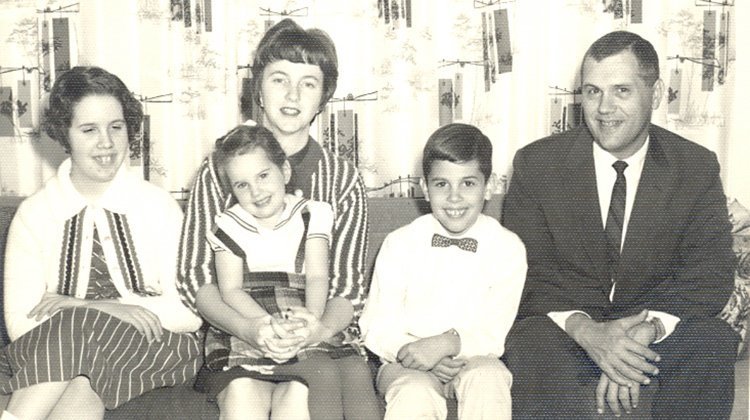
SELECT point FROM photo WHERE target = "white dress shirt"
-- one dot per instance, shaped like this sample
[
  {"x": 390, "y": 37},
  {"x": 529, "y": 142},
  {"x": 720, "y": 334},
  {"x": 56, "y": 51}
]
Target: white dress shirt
[{"x": 420, "y": 291}]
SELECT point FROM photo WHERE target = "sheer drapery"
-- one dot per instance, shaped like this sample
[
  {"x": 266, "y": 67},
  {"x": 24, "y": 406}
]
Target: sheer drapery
[{"x": 399, "y": 63}]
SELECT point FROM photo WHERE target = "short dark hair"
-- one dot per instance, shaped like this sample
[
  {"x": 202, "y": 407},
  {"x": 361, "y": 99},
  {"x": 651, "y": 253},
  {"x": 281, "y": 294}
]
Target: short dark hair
[
  {"x": 615, "y": 42},
  {"x": 241, "y": 140},
  {"x": 288, "y": 41},
  {"x": 82, "y": 81},
  {"x": 458, "y": 143}
]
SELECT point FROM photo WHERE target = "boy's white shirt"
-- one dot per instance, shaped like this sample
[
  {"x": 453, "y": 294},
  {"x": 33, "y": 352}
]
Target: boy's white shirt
[{"x": 419, "y": 291}]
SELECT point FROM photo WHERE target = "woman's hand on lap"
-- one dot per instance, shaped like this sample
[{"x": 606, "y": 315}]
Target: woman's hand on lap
[
  {"x": 257, "y": 331},
  {"x": 264, "y": 333},
  {"x": 145, "y": 321},
  {"x": 52, "y": 303},
  {"x": 314, "y": 330},
  {"x": 289, "y": 326}
]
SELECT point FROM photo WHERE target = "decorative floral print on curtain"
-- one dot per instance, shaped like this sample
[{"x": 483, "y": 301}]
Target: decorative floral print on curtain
[{"x": 406, "y": 67}]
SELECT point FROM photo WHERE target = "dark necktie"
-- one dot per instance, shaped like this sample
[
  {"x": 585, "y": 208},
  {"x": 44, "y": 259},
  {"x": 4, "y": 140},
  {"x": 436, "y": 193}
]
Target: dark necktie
[
  {"x": 467, "y": 244},
  {"x": 616, "y": 216}
]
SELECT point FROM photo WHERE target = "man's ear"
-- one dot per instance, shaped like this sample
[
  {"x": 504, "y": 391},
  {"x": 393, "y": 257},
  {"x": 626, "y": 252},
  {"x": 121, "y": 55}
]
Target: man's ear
[
  {"x": 490, "y": 186},
  {"x": 286, "y": 170},
  {"x": 658, "y": 92},
  {"x": 423, "y": 185}
]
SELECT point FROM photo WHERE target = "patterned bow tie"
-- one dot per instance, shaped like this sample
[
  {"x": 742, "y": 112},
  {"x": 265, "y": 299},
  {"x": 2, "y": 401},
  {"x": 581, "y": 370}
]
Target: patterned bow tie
[{"x": 467, "y": 244}]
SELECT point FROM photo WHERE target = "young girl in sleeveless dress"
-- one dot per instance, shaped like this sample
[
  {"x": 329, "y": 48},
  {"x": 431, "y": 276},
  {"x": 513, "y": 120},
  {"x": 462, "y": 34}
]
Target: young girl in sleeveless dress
[{"x": 271, "y": 253}]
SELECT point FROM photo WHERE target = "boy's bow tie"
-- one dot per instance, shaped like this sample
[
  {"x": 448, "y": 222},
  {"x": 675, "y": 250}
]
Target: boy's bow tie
[{"x": 467, "y": 244}]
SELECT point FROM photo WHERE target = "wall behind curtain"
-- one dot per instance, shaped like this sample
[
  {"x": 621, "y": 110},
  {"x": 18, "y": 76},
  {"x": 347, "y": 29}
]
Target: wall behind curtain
[{"x": 199, "y": 73}]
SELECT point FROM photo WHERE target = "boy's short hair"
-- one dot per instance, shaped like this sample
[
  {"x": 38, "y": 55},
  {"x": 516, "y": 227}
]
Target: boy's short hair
[
  {"x": 241, "y": 140},
  {"x": 82, "y": 81},
  {"x": 288, "y": 41},
  {"x": 458, "y": 143},
  {"x": 616, "y": 42}
]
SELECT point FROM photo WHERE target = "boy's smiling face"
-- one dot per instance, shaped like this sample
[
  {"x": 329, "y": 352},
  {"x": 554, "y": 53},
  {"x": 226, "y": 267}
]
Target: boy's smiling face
[{"x": 456, "y": 192}]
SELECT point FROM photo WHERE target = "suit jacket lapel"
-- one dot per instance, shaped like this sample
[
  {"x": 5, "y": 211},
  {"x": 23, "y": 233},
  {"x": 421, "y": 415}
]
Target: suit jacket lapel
[
  {"x": 584, "y": 211},
  {"x": 649, "y": 209}
]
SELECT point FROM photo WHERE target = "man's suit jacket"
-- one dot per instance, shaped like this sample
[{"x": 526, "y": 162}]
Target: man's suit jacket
[{"x": 676, "y": 257}]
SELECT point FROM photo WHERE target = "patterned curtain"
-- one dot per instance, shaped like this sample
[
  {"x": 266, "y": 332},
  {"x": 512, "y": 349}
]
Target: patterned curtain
[{"x": 406, "y": 66}]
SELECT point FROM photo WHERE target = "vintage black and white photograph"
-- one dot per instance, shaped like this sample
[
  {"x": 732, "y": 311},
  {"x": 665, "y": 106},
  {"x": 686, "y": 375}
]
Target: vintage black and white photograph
[{"x": 374, "y": 209}]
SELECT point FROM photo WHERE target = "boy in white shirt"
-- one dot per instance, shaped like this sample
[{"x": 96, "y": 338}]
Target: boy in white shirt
[{"x": 446, "y": 290}]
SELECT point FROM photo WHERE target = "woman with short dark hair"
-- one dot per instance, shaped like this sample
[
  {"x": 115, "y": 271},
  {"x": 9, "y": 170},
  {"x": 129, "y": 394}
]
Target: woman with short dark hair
[{"x": 295, "y": 74}]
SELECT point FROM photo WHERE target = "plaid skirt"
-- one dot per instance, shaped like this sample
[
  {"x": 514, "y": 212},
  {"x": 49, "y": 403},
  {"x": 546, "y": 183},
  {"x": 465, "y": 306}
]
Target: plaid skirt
[
  {"x": 275, "y": 292},
  {"x": 118, "y": 360}
]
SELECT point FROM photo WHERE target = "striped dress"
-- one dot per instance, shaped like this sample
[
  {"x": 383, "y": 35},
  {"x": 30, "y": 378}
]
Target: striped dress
[
  {"x": 112, "y": 353},
  {"x": 321, "y": 176},
  {"x": 121, "y": 247}
]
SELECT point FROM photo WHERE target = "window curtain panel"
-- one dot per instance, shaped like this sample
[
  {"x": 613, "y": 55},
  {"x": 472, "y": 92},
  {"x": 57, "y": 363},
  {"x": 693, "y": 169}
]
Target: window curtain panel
[{"x": 186, "y": 60}]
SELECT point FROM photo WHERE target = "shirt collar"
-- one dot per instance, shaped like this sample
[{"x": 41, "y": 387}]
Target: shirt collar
[
  {"x": 290, "y": 206},
  {"x": 636, "y": 160},
  {"x": 474, "y": 231},
  {"x": 304, "y": 164},
  {"x": 117, "y": 198}
]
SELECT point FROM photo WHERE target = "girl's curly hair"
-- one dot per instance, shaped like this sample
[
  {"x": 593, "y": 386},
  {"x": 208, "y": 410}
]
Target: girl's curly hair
[
  {"x": 241, "y": 140},
  {"x": 82, "y": 81}
]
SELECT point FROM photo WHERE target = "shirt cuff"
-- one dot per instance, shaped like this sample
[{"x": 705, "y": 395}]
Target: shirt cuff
[
  {"x": 560, "y": 318},
  {"x": 386, "y": 348},
  {"x": 668, "y": 320}
]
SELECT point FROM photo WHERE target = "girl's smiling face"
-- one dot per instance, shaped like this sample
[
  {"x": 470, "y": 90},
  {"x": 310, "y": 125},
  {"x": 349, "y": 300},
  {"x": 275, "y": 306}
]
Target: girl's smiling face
[
  {"x": 259, "y": 184},
  {"x": 98, "y": 137}
]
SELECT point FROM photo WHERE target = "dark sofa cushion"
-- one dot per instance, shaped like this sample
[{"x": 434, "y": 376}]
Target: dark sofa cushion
[{"x": 180, "y": 402}]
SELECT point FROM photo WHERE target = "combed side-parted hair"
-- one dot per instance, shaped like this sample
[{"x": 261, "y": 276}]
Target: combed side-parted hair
[
  {"x": 458, "y": 143},
  {"x": 288, "y": 41},
  {"x": 82, "y": 81},
  {"x": 241, "y": 140},
  {"x": 615, "y": 42}
]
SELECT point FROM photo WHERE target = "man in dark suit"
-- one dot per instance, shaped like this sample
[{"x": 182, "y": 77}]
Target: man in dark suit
[{"x": 629, "y": 255}]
